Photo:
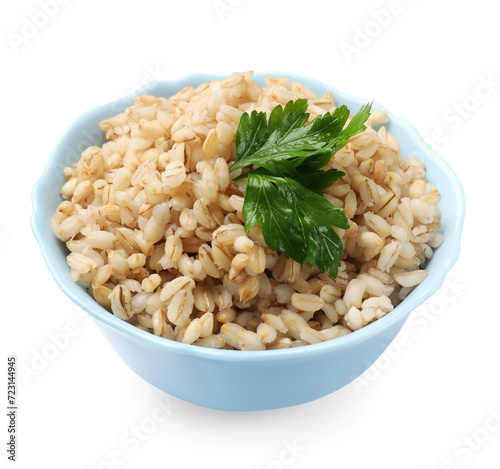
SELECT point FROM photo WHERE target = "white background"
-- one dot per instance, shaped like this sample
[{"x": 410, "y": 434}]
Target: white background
[{"x": 427, "y": 403}]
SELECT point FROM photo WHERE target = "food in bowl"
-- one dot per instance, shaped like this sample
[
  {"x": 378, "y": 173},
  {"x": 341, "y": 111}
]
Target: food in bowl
[{"x": 154, "y": 222}]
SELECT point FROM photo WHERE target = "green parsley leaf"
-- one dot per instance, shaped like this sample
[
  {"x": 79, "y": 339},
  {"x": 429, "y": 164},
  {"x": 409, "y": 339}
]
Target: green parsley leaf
[
  {"x": 278, "y": 113},
  {"x": 265, "y": 205},
  {"x": 295, "y": 219},
  {"x": 354, "y": 127},
  {"x": 290, "y": 141},
  {"x": 282, "y": 194},
  {"x": 251, "y": 134},
  {"x": 317, "y": 180}
]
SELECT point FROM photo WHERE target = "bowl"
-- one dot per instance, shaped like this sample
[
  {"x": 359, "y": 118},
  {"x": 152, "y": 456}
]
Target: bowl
[{"x": 244, "y": 380}]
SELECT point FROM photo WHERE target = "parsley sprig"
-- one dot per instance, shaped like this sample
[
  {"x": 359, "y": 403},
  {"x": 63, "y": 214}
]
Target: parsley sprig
[{"x": 282, "y": 192}]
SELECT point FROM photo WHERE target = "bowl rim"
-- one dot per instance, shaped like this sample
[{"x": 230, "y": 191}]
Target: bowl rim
[{"x": 427, "y": 288}]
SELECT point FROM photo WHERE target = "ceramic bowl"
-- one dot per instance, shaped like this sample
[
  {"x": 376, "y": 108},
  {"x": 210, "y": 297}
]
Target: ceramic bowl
[{"x": 245, "y": 380}]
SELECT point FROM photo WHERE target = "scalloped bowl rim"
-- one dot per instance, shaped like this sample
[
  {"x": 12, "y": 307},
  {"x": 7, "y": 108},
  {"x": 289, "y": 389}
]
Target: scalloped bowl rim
[{"x": 428, "y": 287}]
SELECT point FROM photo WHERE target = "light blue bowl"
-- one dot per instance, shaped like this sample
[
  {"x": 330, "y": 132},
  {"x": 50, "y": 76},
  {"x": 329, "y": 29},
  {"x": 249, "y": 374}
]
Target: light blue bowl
[{"x": 236, "y": 380}]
